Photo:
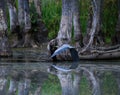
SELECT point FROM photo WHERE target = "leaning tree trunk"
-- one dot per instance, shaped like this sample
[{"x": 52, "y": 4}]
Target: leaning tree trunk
[
  {"x": 4, "y": 44},
  {"x": 95, "y": 25}
]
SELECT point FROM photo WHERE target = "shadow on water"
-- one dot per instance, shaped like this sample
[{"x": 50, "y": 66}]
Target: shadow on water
[{"x": 28, "y": 70}]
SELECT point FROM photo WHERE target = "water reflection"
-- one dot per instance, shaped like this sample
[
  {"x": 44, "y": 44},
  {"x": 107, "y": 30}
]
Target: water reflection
[{"x": 24, "y": 74}]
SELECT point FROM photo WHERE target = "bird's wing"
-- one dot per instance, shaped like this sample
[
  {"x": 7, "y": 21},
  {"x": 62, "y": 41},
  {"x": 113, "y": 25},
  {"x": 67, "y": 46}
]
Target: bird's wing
[{"x": 60, "y": 49}]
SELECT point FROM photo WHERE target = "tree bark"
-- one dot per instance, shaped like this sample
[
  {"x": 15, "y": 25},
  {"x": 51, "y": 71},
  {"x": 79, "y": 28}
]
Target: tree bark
[
  {"x": 38, "y": 7},
  {"x": 24, "y": 38},
  {"x": 13, "y": 15},
  {"x": 70, "y": 16},
  {"x": 64, "y": 34},
  {"x": 76, "y": 23},
  {"x": 27, "y": 27},
  {"x": 21, "y": 14},
  {"x": 25, "y": 35},
  {"x": 27, "y": 19},
  {"x": 4, "y": 44},
  {"x": 95, "y": 23}
]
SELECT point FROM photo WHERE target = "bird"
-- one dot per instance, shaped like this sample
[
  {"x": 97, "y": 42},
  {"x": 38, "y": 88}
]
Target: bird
[{"x": 73, "y": 52}]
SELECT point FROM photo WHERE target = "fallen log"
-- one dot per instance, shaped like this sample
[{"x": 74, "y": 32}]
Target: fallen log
[{"x": 102, "y": 54}]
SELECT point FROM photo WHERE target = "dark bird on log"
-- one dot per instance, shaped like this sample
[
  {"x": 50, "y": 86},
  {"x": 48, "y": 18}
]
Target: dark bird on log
[{"x": 73, "y": 52}]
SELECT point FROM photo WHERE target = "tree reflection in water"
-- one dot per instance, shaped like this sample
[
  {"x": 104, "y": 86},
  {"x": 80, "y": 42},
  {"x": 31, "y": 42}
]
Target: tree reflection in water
[{"x": 26, "y": 71}]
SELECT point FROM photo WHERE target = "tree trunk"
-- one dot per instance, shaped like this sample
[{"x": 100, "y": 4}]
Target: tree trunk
[
  {"x": 13, "y": 16},
  {"x": 94, "y": 34},
  {"x": 25, "y": 35},
  {"x": 70, "y": 16},
  {"x": 76, "y": 22},
  {"x": 27, "y": 19},
  {"x": 64, "y": 34},
  {"x": 95, "y": 26},
  {"x": 38, "y": 7},
  {"x": 4, "y": 44},
  {"x": 21, "y": 14},
  {"x": 24, "y": 38},
  {"x": 99, "y": 37},
  {"x": 27, "y": 27},
  {"x": 20, "y": 38}
]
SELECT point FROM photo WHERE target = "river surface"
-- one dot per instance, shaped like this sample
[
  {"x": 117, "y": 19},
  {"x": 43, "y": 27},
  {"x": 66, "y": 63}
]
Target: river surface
[{"x": 28, "y": 66}]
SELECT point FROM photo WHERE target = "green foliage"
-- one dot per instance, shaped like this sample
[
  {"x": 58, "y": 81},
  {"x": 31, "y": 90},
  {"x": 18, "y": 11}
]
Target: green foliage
[
  {"x": 109, "y": 18},
  {"x": 51, "y": 13},
  {"x": 84, "y": 11},
  {"x": 34, "y": 17}
]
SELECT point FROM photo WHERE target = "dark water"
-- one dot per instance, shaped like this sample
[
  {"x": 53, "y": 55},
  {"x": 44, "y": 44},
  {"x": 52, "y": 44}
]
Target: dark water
[{"x": 29, "y": 66}]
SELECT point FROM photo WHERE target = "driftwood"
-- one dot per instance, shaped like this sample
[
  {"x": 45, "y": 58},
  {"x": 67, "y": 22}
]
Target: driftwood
[
  {"x": 102, "y": 53},
  {"x": 111, "y": 52}
]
